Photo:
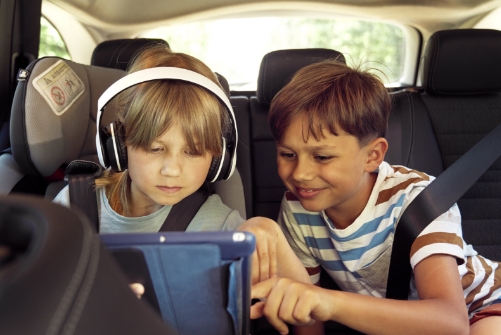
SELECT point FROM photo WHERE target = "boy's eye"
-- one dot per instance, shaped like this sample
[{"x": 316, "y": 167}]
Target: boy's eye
[{"x": 323, "y": 158}]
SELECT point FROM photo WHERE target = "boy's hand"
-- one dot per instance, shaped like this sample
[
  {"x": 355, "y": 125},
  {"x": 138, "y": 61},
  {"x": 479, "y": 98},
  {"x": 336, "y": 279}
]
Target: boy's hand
[
  {"x": 264, "y": 258},
  {"x": 285, "y": 300}
]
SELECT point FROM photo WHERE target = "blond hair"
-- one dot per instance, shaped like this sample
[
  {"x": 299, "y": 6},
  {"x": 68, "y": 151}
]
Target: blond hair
[
  {"x": 149, "y": 109},
  {"x": 332, "y": 95}
]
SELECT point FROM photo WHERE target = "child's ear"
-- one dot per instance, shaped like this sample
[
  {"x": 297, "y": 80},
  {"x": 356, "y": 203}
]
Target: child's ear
[{"x": 375, "y": 153}]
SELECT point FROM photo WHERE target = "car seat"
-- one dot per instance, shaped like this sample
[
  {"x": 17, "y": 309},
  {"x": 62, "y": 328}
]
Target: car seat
[
  {"x": 462, "y": 99},
  {"x": 50, "y": 127}
]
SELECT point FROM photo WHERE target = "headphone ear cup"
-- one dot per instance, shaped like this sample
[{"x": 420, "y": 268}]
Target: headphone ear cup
[
  {"x": 220, "y": 166},
  {"x": 116, "y": 148},
  {"x": 214, "y": 169}
]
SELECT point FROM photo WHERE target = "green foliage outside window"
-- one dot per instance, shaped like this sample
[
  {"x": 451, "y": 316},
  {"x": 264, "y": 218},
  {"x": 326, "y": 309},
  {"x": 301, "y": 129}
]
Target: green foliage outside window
[{"x": 51, "y": 43}]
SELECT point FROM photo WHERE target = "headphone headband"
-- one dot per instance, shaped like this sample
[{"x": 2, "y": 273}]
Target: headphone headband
[{"x": 161, "y": 73}]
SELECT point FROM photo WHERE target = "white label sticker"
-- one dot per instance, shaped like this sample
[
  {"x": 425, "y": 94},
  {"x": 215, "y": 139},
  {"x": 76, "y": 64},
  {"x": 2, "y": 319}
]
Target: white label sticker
[{"x": 60, "y": 86}]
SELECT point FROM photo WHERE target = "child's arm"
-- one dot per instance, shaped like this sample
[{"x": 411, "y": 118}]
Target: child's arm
[
  {"x": 440, "y": 310},
  {"x": 273, "y": 255}
]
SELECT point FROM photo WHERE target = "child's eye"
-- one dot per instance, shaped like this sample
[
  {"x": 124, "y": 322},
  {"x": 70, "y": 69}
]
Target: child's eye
[
  {"x": 323, "y": 159},
  {"x": 192, "y": 153},
  {"x": 154, "y": 150},
  {"x": 287, "y": 155}
]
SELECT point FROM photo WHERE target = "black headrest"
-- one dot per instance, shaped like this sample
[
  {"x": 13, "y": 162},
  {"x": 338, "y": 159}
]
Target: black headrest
[
  {"x": 116, "y": 54},
  {"x": 278, "y": 68},
  {"x": 463, "y": 61},
  {"x": 224, "y": 83}
]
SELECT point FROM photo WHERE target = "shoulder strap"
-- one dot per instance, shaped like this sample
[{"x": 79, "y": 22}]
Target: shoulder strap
[
  {"x": 432, "y": 202},
  {"x": 80, "y": 176},
  {"x": 184, "y": 211}
]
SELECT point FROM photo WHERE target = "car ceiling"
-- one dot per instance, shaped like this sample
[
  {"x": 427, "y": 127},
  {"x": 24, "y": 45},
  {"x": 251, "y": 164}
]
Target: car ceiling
[{"x": 128, "y": 15}]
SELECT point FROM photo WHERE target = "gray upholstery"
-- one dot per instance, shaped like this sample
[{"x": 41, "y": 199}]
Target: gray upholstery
[{"x": 41, "y": 140}]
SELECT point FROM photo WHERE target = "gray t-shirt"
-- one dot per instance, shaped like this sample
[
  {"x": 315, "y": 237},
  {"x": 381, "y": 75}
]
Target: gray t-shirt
[{"x": 212, "y": 216}]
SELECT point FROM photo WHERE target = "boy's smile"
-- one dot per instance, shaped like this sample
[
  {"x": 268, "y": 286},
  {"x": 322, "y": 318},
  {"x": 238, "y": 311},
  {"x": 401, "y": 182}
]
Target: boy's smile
[
  {"x": 331, "y": 175},
  {"x": 165, "y": 174}
]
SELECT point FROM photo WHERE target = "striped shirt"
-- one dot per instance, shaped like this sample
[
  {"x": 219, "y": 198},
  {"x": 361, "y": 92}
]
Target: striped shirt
[{"x": 357, "y": 257}]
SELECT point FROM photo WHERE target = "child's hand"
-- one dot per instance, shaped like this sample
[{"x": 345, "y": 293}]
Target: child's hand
[
  {"x": 285, "y": 300},
  {"x": 264, "y": 259},
  {"x": 138, "y": 289}
]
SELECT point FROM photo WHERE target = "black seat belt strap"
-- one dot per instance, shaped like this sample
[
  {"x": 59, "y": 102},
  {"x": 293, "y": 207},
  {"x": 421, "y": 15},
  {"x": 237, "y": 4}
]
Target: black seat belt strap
[
  {"x": 80, "y": 176},
  {"x": 432, "y": 202},
  {"x": 184, "y": 211}
]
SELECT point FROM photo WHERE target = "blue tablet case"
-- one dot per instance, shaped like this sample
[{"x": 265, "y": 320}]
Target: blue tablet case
[{"x": 198, "y": 281}]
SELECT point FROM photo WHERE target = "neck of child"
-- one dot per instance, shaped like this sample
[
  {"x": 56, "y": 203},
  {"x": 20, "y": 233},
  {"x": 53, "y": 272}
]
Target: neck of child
[
  {"x": 143, "y": 210},
  {"x": 343, "y": 215}
]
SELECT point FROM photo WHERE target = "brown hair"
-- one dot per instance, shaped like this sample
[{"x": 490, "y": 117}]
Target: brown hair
[
  {"x": 332, "y": 95},
  {"x": 149, "y": 109}
]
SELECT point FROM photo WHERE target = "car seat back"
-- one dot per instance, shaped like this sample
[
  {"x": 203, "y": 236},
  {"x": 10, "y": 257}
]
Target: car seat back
[
  {"x": 52, "y": 122},
  {"x": 462, "y": 82},
  {"x": 117, "y": 54}
]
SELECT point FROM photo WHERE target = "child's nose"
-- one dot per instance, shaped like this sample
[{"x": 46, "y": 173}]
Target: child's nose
[
  {"x": 303, "y": 170},
  {"x": 171, "y": 167}
]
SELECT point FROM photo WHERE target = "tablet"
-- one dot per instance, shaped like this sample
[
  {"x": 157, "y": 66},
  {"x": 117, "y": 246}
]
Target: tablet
[{"x": 199, "y": 282}]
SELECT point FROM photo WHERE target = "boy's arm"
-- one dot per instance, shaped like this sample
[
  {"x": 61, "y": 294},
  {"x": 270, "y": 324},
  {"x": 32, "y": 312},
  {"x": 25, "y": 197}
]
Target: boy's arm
[{"x": 440, "y": 310}]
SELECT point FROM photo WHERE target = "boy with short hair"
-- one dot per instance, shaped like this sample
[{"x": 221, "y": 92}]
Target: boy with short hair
[{"x": 340, "y": 212}]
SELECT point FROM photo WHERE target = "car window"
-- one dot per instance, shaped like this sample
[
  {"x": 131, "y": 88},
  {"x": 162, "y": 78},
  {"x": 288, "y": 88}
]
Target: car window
[
  {"x": 51, "y": 43},
  {"x": 227, "y": 44}
]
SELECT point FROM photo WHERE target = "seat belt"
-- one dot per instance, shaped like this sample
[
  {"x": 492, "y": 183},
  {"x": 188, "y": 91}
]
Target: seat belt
[
  {"x": 183, "y": 212},
  {"x": 81, "y": 176},
  {"x": 437, "y": 198}
]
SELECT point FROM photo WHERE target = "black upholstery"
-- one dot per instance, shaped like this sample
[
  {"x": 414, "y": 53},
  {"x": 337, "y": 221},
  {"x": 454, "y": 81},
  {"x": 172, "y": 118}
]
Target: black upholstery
[
  {"x": 278, "y": 67},
  {"x": 463, "y": 61},
  {"x": 461, "y": 103},
  {"x": 462, "y": 85},
  {"x": 117, "y": 54},
  {"x": 410, "y": 135},
  {"x": 59, "y": 279}
]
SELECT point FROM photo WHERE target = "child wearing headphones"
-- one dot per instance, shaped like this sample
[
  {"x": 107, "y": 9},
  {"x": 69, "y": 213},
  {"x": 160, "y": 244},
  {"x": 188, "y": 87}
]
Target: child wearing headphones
[{"x": 175, "y": 133}]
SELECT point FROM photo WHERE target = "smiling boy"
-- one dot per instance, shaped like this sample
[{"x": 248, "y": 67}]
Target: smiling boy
[{"x": 340, "y": 212}]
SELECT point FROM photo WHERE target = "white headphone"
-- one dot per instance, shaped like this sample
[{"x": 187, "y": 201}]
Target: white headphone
[{"x": 110, "y": 150}]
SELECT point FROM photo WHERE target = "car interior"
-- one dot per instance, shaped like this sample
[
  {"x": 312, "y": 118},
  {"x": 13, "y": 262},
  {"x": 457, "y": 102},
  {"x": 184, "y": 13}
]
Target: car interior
[{"x": 447, "y": 98}]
